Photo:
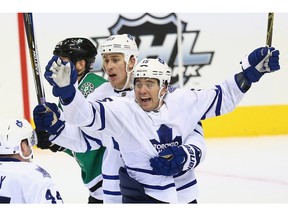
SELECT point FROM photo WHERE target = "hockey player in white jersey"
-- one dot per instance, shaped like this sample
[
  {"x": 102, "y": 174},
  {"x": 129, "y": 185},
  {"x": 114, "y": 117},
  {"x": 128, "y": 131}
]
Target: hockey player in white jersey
[
  {"x": 119, "y": 54},
  {"x": 21, "y": 180},
  {"x": 151, "y": 132}
]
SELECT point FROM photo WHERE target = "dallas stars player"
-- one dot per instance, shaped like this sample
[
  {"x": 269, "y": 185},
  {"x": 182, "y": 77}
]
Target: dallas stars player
[{"x": 81, "y": 52}]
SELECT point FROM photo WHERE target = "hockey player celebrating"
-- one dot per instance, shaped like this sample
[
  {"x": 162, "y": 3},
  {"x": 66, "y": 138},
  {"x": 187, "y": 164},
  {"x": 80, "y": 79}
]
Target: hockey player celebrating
[
  {"x": 151, "y": 132},
  {"x": 21, "y": 180},
  {"x": 119, "y": 54},
  {"x": 81, "y": 52},
  {"x": 119, "y": 57}
]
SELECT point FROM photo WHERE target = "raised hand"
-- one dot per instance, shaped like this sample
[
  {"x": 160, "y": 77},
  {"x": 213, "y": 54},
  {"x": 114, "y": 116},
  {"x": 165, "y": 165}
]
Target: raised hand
[
  {"x": 60, "y": 73},
  {"x": 62, "y": 76},
  {"x": 261, "y": 60}
]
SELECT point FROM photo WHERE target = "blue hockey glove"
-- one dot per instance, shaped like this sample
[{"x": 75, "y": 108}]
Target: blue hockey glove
[
  {"x": 260, "y": 61},
  {"x": 62, "y": 76},
  {"x": 255, "y": 65},
  {"x": 46, "y": 117},
  {"x": 169, "y": 162}
]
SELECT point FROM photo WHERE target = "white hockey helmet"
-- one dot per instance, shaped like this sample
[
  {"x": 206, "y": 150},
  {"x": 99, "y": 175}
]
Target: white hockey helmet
[
  {"x": 12, "y": 132},
  {"x": 153, "y": 68},
  {"x": 125, "y": 44},
  {"x": 122, "y": 43}
]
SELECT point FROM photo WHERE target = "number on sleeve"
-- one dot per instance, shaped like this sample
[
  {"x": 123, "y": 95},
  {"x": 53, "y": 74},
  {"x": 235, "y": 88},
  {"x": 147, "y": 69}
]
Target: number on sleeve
[{"x": 49, "y": 196}]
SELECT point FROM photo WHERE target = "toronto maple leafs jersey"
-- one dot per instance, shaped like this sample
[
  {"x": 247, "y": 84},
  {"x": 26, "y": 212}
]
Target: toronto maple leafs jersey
[
  {"x": 26, "y": 182},
  {"x": 112, "y": 160},
  {"x": 87, "y": 140},
  {"x": 140, "y": 135}
]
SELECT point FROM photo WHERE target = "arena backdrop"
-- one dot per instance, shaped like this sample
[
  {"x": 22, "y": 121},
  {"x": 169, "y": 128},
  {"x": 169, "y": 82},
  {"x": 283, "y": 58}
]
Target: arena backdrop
[{"x": 212, "y": 46}]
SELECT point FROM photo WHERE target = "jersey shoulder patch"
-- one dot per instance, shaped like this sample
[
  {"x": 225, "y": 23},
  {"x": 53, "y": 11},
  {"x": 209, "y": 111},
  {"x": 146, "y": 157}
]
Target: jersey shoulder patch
[
  {"x": 90, "y": 82},
  {"x": 44, "y": 172},
  {"x": 172, "y": 89}
]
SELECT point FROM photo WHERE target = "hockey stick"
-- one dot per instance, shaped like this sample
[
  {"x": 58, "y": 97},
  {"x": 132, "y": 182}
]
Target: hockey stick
[
  {"x": 269, "y": 29},
  {"x": 34, "y": 57}
]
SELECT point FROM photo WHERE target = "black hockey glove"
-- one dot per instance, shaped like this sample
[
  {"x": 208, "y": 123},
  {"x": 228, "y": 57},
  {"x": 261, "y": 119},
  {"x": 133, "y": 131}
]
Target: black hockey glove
[{"x": 45, "y": 143}]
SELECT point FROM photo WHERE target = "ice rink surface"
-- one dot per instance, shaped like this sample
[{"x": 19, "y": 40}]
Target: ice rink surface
[
  {"x": 248, "y": 170},
  {"x": 235, "y": 170}
]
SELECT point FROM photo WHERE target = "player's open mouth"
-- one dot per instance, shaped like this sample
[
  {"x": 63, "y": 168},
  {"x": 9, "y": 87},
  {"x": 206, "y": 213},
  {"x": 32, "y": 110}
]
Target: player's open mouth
[
  {"x": 145, "y": 100},
  {"x": 112, "y": 77}
]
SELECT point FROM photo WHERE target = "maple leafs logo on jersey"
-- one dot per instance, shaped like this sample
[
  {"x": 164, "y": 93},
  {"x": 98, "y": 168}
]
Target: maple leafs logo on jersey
[
  {"x": 157, "y": 37},
  {"x": 165, "y": 138}
]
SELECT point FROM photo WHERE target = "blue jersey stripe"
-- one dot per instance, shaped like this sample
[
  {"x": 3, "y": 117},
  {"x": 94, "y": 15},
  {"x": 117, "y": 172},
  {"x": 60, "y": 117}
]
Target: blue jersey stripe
[
  {"x": 157, "y": 187},
  {"x": 204, "y": 116},
  {"x": 187, "y": 185},
  {"x": 93, "y": 120},
  {"x": 116, "y": 193},
  {"x": 141, "y": 170},
  {"x": 102, "y": 116},
  {"x": 219, "y": 101},
  {"x": 198, "y": 132},
  {"x": 87, "y": 144},
  {"x": 111, "y": 177},
  {"x": 86, "y": 137}
]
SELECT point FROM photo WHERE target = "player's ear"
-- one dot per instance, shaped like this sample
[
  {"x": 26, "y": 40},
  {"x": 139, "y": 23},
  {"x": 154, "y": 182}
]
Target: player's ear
[
  {"x": 25, "y": 148},
  {"x": 80, "y": 65},
  {"x": 163, "y": 90},
  {"x": 131, "y": 63}
]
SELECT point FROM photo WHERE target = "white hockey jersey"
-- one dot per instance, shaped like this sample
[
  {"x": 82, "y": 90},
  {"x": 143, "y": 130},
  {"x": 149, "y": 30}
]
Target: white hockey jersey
[
  {"x": 112, "y": 160},
  {"x": 140, "y": 135},
  {"x": 26, "y": 182}
]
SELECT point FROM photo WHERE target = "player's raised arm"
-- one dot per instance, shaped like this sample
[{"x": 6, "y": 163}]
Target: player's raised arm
[{"x": 225, "y": 97}]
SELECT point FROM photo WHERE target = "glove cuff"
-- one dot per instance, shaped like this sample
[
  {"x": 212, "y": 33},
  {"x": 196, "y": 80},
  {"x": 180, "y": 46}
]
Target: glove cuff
[
  {"x": 245, "y": 63},
  {"x": 56, "y": 128},
  {"x": 66, "y": 93},
  {"x": 242, "y": 82},
  {"x": 191, "y": 159}
]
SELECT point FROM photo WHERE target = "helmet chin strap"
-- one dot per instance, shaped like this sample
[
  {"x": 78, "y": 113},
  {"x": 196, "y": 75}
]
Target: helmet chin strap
[
  {"x": 29, "y": 157},
  {"x": 128, "y": 81},
  {"x": 160, "y": 98}
]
